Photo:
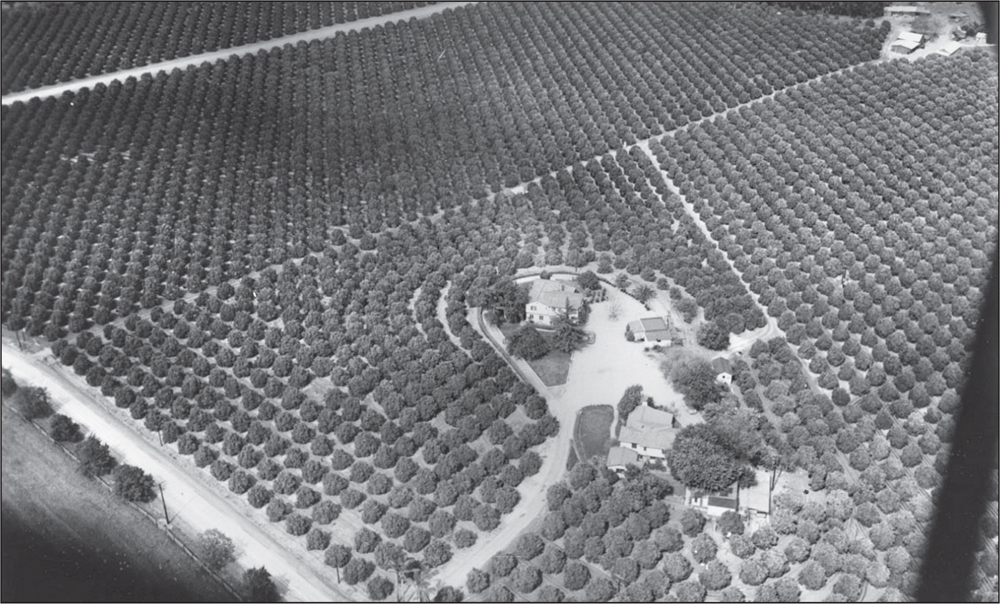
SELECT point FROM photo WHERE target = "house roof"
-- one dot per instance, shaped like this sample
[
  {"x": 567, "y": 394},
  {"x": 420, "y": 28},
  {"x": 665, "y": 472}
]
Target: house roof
[
  {"x": 644, "y": 416},
  {"x": 909, "y": 45},
  {"x": 652, "y": 438},
  {"x": 649, "y": 427},
  {"x": 950, "y": 48},
  {"x": 554, "y": 293},
  {"x": 911, "y": 36},
  {"x": 652, "y": 328},
  {"x": 757, "y": 497},
  {"x": 621, "y": 457},
  {"x": 722, "y": 365}
]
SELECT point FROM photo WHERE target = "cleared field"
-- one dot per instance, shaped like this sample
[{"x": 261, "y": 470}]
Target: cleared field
[{"x": 66, "y": 538}]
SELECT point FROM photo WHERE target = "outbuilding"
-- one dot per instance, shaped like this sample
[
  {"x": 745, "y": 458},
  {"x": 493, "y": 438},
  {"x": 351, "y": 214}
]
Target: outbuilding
[
  {"x": 907, "y": 11},
  {"x": 649, "y": 329}
]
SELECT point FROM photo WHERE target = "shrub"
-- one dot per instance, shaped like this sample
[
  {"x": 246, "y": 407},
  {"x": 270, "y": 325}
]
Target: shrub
[
  {"x": 297, "y": 524},
  {"x": 325, "y": 512},
  {"x": 690, "y": 591},
  {"x": 526, "y": 578},
  {"x": 576, "y": 576},
  {"x": 715, "y": 576},
  {"x": 357, "y": 570},
  {"x": 416, "y": 539},
  {"x": 527, "y": 343},
  {"x": 258, "y": 496},
  {"x": 133, "y": 484},
  {"x": 33, "y": 403},
  {"x": 94, "y": 457},
  {"x": 63, "y": 429},
  {"x": 366, "y": 540},
  {"x": 529, "y": 546},
  {"x": 692, "y": 522},
  {"x": 752, "y": 572},
  {"x": 477, "y": 581},
  {"x": 215, "y": 549},
  {"x": 464, "y": 538},
  {"x": 600, "y": 590},
  {"x": 703, "y": 548},
  {"x": 277, "y": 510},
  {"x": 372, "y": 511},
  {"x": 380, "y": 588},
  {"x": 352, "y": 498},
  {"x": 676, "y": 566}
]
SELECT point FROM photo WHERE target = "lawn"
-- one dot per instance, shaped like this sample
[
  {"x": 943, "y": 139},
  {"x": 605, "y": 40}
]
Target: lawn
[
  {"x": 553, "y": 368},
  {"x": 66, "y": 538},
  {"x": 592, "y": 432}
]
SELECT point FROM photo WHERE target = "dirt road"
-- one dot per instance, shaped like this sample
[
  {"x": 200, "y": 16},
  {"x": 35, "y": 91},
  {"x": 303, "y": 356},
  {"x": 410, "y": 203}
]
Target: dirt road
[
  {"x": 209, "y": 57},
  {"x": 200, "y": 506},
  {"x": 599, "y": 374}
]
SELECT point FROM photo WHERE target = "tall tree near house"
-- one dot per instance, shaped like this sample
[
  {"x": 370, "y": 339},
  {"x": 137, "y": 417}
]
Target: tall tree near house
[
  {"x": 507, "y": 301},
  {"x": 527, "y": 343},
  {"x": 644, "y": 293},
  {"x": 569, "y": 336},
  {"x": 589, "y": 280},
  {"x": 629, "y": 402}
]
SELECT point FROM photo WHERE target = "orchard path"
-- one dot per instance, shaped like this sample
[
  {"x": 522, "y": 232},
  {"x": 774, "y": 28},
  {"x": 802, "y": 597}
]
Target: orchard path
[
  {"x": 198, "y": 504},
  {"x": 218, "y": 55},
  {"x": 598, "y": 375}
]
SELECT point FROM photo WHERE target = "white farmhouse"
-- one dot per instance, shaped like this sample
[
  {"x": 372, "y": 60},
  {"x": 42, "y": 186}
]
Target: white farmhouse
[
  {"x": 550, "y": 298},
  {"x": 649, "y": 432}
]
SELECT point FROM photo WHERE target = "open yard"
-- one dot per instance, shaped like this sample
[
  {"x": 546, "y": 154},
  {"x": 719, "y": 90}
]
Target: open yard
[{"x": 66, "y": 538}]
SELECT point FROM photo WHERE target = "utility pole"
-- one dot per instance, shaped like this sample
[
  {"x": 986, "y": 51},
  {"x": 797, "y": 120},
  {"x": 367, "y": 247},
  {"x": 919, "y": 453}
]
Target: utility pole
[{"x": 163, "y": 500}]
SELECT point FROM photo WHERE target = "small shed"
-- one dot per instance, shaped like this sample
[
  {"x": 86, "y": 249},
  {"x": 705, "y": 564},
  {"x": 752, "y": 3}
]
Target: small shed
[
  {"x": 650, "y": 329},
  {"x": 981, "y": 38},
  {"x": 949, "y": 49}
]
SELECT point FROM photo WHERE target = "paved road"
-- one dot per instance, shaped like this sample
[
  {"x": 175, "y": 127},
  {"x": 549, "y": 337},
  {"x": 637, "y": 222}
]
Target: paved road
[
  {"x": 209, "y": 57},
  {"x": 200, "y": 505}
]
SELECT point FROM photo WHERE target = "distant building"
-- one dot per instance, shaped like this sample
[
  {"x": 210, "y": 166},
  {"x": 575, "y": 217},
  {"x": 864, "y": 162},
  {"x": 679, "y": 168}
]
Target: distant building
[
  {"x": 649, "y": 432},
  {"x": 749, "y": 502},
  {"x": 550, "y": 298},
  {"x": 949, "y": 49},
  {"x": 650, "y": 329},
  {"x": 907, "y": 11}
]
